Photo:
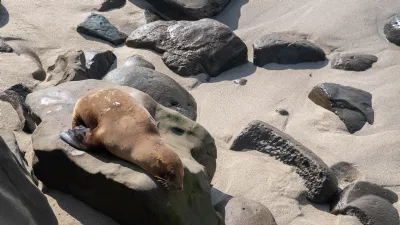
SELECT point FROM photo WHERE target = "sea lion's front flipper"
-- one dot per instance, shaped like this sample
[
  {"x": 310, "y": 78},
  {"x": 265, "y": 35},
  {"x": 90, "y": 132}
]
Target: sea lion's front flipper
[{"x": 75, "y": 137}]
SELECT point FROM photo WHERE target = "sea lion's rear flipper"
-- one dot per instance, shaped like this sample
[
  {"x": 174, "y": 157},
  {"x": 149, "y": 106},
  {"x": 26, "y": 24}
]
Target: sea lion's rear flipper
[{"x": 74, "y": 137}]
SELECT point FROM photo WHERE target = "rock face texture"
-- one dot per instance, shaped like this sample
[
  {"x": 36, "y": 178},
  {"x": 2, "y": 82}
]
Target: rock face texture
[
  {"x": 192, "y": 47},
  {"x": 160, "y": 87},
  {"x": 189, "y": 10},
  {"x": 392, "y": 30},
  {"x": 117, "y": 188},
  {"x": 353, "y": 62},
  {"x": 284, "y": 48},
  {"x": 322, "y": 184},
  {"x": 98, "y": 63},
  {"x": 352, "y": 105},
  {"x": 151, "y": 16},
  {"x": 98, "y": 26},
  {"x": 21, "y": 201}
]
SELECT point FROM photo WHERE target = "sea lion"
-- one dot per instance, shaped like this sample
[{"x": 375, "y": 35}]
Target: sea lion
[{"x": 114, "y": 120}]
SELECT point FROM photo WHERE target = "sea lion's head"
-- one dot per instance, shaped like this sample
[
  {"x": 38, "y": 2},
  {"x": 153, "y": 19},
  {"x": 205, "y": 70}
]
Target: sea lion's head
[{"x": 171, "y": 174}]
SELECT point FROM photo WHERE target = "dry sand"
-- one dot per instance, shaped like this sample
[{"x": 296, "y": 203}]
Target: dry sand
[{"x": 225, "y": 108}]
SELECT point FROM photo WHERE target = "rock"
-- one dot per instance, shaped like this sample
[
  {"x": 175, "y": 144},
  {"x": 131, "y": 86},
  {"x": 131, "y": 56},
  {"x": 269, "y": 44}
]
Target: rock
[
  {"x": 192, "y": 47},
  {"x": 282, "y": 112},
  {"x": 113, "y": 186},
  {"x": 4, "y": 47},
  {"x": 241, "y": 211},
  {"x": 283, "y": 48},
  {"x": 392, "y": 30},
  {"x": 151, "y": 16},
  {"x": 359, "y": 189},
  {"x": 345, "y": 172},
  {"x": 160, "y": 87},
  {"x": 319, "y": 179},
  {"x": 352, "y": 105},
  {"x": 353, "y": 62},
  {"x": 371, "y": 210},
  {"x": 241, "y": 81},
  {"x": 189, "y": 10},
  {"x": 70, "y": 66},
  {"x": 21, "y": 200},
  {"x": 138, "y": 60},
  {"x": 193, "y": 82},
  {"x": 98, "y": 63},
  {"x": 98, "y": 26},
  {"x": 111, "y": 4}
]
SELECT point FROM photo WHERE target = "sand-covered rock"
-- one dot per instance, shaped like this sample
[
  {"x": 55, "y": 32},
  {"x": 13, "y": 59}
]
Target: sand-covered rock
[
  {"x": 4, "y": 47},
  {"x": 99, "y": 63},
  {"x": 187, "y": 9},
  {"x": 21, "y": 200},
  {"x": 353, "y": 62},
  {"x": 352, "y": 105},
  {"x": 284, "y": 48},
  {"x": 111, "y": 4},
  {"x": 392, "y": 30},
  {"x": 192, "y": 47},
  {"x": 159, "y": 86},
  {"x": 115, "y": 187},
  {"x": 98, "y": 26},
  {"x": 345, "y": 172},
  {"x": 138, "y": 60},
  {"x": 322, "y": 184}
]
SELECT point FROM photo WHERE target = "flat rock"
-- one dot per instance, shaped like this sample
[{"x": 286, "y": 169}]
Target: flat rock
[
  {"x": 188, "y": 9},
  {"x": 284, "y": 48},
  {"x": 98, "y": 26},
  {"x": 159, "y": 86},
  {"x": 352, "y": 105},
  {"x": 111, "y": 4},
  {"x": 151, "y": 16},
  {"x": 242, "y": 211},
  {"x": 99, "y": 63},
  {"x": 21, "y": 200},
  {"x": 353, "y": 62},
  {"x": 392, "y": 30},
  {"x": 322, "y": 184},
  {"x": 138, "y": 60},
  {"x": 371, "y": 210},
  {"x": 192, "y": 47},
  {"x": 113, "y": 186}
]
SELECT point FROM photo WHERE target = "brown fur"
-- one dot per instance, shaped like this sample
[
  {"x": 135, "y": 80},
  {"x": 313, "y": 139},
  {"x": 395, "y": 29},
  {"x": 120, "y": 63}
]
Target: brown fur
[{"x": 125, "y": 128}]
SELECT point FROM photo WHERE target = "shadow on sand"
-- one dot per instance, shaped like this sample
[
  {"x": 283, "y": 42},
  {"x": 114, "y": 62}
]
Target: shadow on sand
[
  {"x": 231, "y": 14},
  {"x": 298, "y": 66},
  {"x": 241, "y": 71}
]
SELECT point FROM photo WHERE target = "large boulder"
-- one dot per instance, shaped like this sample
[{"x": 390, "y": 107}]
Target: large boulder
[
  {"x": 21, "y": 200},
  {"x": 99, "y": 63},
  {"x": 192, "y": 47},
  {"x": 113, "y": 186},
  {"x": 188, "y": 9},
  {"x": 159, "y": 86}
]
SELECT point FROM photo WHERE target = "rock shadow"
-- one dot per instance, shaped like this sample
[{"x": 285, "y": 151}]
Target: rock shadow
[
  {"x": 4, "y": 16},
  {"x": 238, "y": 72},
  {"x": 298, "y": 66},
  {"x": 231, "y": 14},
  {"x": 143, "y": 4},
  {"x": 90, "y": 38}
]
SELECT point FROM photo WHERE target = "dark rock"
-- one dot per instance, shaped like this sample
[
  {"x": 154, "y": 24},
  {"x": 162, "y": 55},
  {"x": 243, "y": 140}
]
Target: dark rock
[
  {"x": 4, "y": 47},
  {"x": 392, "y": 30},
  {"x": 111, "y": 4},
  {"x": 241, "y": 211},
  {"x": 371, "y": 210},
  {"x": 151, "y": 16},
  {"x": 113, "y": 186},
  {"x": 160, "y": 87},
  {"x": 98, "y": 63},
  {"x": 98, "y": 26},
  {"x": 282, "y": 112},
  {"x": 352, "y": 105},
  {"x": 138, "y": 60},
  {"x": 21, "y": 200},
  {"x": 345, "y": 172},
  {"x": 353, "y": 62},
  {"x": 283, "y": 48},
  {"x": 189, "y": 10},
  {"x": 192, "y": 47},
  {"x": 321, "y": 182},
  {"x": 241, "y": 81}
]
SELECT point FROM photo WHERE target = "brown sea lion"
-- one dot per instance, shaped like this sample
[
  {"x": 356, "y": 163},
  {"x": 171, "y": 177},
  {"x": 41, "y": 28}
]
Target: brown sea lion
[{"x": 112, "y": 119}]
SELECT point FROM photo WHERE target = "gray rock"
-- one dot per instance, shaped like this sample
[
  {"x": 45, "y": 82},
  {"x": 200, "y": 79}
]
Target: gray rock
[
  {"x": 98, "y": 26},
  {"x": 188, "y": 9},
  {"x": 138, "y": 60},
  {"x": 322, "y": 184},
  {"x": 111, "y": 4},
  {"x": 151, "y": 16},
  {"x": 353, "y": 62},
  {"x": 192, "y": 47},
  {"x": 283, "y": 48},
  {"x": 352, "y": 105},
  {"x": 160, "y": 87},
  {"x": 392, "y": 30},
  {"x": 113, "y": 186},
  {"x": 21, "y": 200},
  {"x": 282, "y": 112},
  {"x": 4, "y": 47},
  {"x": 98, "y": 63},
  {"x": 241, "y": 211},
  {"x": 345, "y": 172},
  {"x": 371, "y": 210}
]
